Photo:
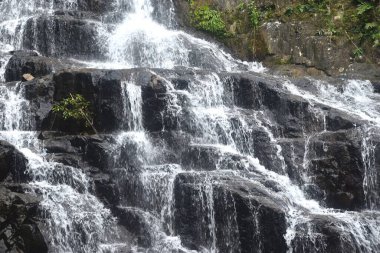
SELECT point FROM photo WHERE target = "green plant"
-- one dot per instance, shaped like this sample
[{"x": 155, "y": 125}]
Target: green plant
[
  {"x": 254, "y": 14},
  {"x": 209, "y": 20},
  {"x": 363, "y": 7},
  {"x": 367, "y": 17},
  {"x": 241, "y": 6},
  {"x": 358, "y": 52},
  {"x": 75, "y": 107}
]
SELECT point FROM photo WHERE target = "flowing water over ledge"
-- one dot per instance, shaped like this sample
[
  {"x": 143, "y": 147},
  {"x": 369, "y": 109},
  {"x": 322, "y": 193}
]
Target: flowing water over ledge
[{"x": 77, "y": 221}]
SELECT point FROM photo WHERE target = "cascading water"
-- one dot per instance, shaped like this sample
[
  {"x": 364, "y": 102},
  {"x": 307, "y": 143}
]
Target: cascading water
[
  {"x": 76, "y": 221},
  {"x": 221, "y": 145}
]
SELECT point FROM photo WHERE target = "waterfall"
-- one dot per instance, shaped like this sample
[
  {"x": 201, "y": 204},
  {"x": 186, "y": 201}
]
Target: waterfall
[
  {"x": 370, "y": 182},
  {"x": 76, "y": 220},
  {"x": 132, "y": 103},
  {"x": 228, "y": 170}
]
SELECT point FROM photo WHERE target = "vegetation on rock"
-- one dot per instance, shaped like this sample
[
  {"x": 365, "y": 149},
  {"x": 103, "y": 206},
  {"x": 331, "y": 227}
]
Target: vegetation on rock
[
  {"x": 207, "y": 19},
  {"x": 353, "y": 25},
  {"x": 75, "y": 107}
]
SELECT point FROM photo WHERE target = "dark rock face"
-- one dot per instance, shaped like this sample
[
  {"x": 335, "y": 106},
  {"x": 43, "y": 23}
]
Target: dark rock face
[
  {"x": 156, "y": 102},
  {"x": 338, "y": 172},
  {"x": 12, "y": 164},
  {"x": 334, "y": 158},
  {"x": 245, "y": 216},
  {"x": 338, "y": 169},
  {"x": 61, "y": 35},
  {"x": 325, "y": 234},
  {"x": 102, "y": 90},
  {"x": 21, "y": 64},
  {"x": 210, "y": 158},
  {"x": 19, "y": 231},
  {"x": 292, "y": 113},
  {"x": 30, "y": 62},
  {"x": 137, "y": 222}
]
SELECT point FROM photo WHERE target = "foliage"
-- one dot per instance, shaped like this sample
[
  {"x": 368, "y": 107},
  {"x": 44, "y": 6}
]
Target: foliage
[
  {"x": 308, "y": 7},
  {"x": 75, "y": 107},
  {"x": 254, "y": 14},
  {"x": 360, "y": 19},
  {"x": 367, "y": 17},
  {"x": 358, "y": 52},
  {"x": 355, "y": 20},
  {"x": 209, "y": 20}
]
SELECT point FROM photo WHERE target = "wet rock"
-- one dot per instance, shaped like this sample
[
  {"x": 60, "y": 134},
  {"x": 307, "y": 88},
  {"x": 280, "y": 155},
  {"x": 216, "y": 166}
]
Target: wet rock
[
  {"x": 155, "y": 106},
  {"x": 329, "y": 234},
  {"x": 101, "y": 88},
  {"x": 106, "y": 189},
  {"x": 12, "y": 164},
  {"x": 336, "y": 120},
  {"x": 336, "y": 166},
  {"x": 242, "y": 215},
  {"x": 293, "y": 151},
  {"x": 22, "y": 63},
  {"x": 99, "y": 153},
  {"x": 70, "y": 37},
  {"x": 292, "y": 113},
  {"x": 59, "y": 145},
  {"x": 32, "y": 238},
  {"x": 138, "y": 223},
  {"x": 202, "y": 157},
  {"x": 19, "y": 232}
]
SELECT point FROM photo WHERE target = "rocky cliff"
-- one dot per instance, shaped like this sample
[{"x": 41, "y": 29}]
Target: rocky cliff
[{"x": 296, "y": 38}]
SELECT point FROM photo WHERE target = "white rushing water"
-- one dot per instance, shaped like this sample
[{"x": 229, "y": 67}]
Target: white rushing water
[{"x": 76, "y": 221}]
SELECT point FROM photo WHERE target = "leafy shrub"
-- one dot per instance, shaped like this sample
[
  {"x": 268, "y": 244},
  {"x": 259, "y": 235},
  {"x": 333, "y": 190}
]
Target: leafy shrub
[
  {"x": 75, "y": 107},
  {"x": 209, "y": 20},
  {"x": 368, "y": 17},
  {"x": 254, "y": 14}
]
